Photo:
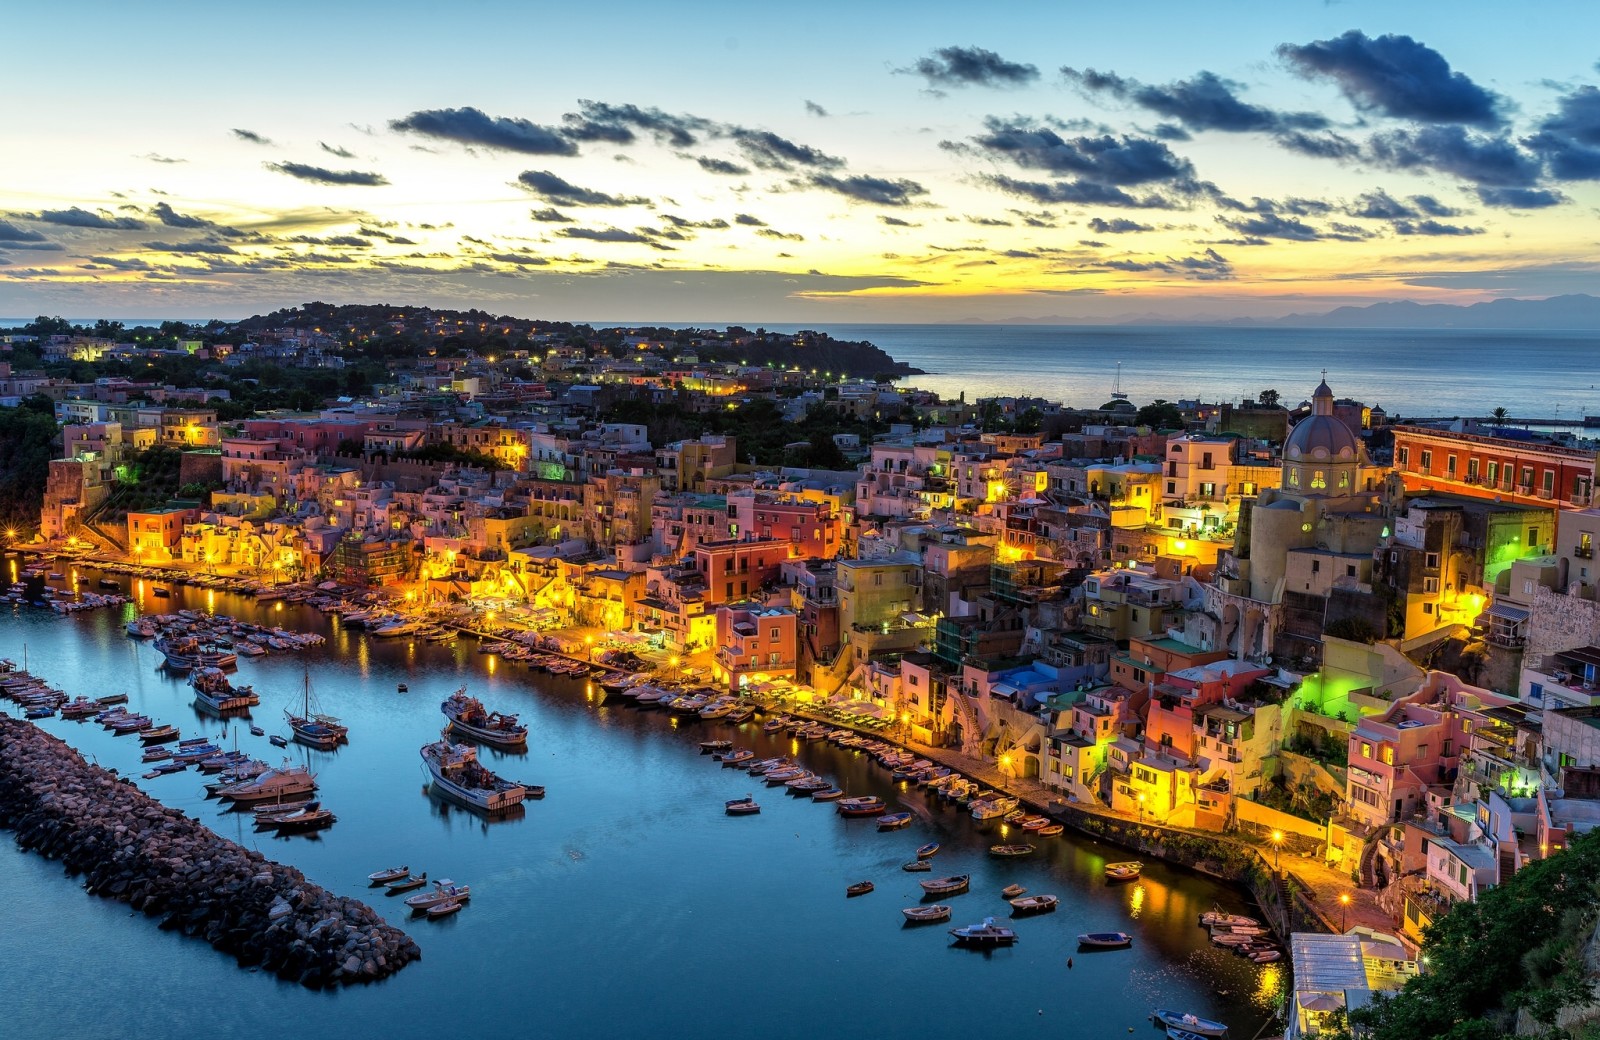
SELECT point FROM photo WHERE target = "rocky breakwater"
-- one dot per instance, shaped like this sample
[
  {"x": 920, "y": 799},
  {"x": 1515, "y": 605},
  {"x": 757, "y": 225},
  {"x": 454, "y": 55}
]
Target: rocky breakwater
[{"x": 128, "y": 846}]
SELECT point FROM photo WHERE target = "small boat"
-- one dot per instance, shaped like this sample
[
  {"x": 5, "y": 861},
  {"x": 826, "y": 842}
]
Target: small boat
[
  {"x": 158, "y": 591},
  {"x": 1231, "y": 941},
  {"x": 1123, "y": 871},
  {"x": 867, "y": 805},
  {"x": 708, "y": 747},
  {"x": 1217, "y": 918},
  {"x": 311, "y": 818},
  {"x": 928, "y": 850},
  {"x": 827, "y": 794},
  {"x": 278, "y": 741},
  {"x": 379, "y": 877},
  {"x": 1012, "y": 891},
  {"x": 1174, "y": 1033},
  {"x": 1266, "y": 956},
  {"x": 257, "y": 731},
  {"x": 1050, "y": 830},
  {"x": 406, "y": 884},
  {"x": 741, "y": 807},
  {"x": 947, "y": 886},
  {"x": 1010, "y": 850},
  {"x": 1188, "y": 1023},
  {"x": 1034, "y": 904},
  {"x": 444, "y": 890},
  {"x": 159, "y": 734},
  {"x": 894, "y": 821},
  {"x": 1104, "y": 940},
  {"x": 444, "y": 909},
  {"x": 924, "y": 914},
  {"x": 986, "y": 933},
  {"x": 401, "y": 687},
  {"x": 917, "y": 866},
  {"x": 860, "y": 888}
]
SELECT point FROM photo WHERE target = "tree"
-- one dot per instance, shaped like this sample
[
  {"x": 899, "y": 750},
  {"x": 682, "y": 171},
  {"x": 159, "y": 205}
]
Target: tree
[
  {"x": 1161, "y": 415},
  {"x": 1030, "y": 421},
  {"x": 1268, "y": 398},
  {"x": 1499, "y": 414}
]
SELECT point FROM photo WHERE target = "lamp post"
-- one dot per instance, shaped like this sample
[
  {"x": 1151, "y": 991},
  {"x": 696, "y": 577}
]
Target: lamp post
[
  {"x": 1277, "y": 851},
  {"x": 1344, "y": 905},
  {"x": 1141, "y": 808},
  {"x": 588, "y": 641}
]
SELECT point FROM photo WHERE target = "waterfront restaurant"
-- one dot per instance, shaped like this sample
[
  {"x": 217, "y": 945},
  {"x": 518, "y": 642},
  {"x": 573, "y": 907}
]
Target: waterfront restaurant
[{"x": 1334, "y": 973}]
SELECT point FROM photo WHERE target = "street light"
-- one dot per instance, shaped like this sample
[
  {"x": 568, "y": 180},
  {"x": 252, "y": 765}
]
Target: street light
[
  {"x": 1141, "y": 808},
  {"x": 1344, "y": 905},
  {"x": 1277, "y": 851}
]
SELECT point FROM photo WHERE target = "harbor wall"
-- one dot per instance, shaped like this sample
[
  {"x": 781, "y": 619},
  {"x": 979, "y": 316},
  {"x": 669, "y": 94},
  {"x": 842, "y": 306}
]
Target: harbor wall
[{"x": 129, "y": 847}]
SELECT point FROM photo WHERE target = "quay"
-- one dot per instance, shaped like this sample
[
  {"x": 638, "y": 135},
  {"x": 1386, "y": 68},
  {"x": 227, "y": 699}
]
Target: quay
[{"x": 130, "y": 847}]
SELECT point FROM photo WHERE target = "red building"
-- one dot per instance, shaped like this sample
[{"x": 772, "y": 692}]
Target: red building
[
  {"x": 754, "y": 645},
  {"x": 1496, "y": 463},
  {"x": 737, "y": 570},
  {"x": 810, "y": 528}
]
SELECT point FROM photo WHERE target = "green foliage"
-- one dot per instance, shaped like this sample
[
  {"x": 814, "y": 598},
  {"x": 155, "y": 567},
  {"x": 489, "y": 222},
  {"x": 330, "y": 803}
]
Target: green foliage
[
  {"x": 1355, "y": 629},
  {"x": 1162, "y": 415},
  {"x": 1519, "y": 946},
  {"x": 27, "y": 444}
]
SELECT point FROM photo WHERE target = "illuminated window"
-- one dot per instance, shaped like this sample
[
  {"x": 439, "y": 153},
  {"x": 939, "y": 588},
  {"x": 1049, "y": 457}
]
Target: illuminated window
[
  {"x": 1388, "y": 755},
  {"x": 1366, "y": 750},
  {"x": 1294, "y": 478},
  {"x": 1319, "y": 479},
  {"x": 1344, "y": 480}
]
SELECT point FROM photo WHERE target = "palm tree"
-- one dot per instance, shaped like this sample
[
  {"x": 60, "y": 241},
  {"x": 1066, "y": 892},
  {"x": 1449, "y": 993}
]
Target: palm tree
[{"x": 1499, "y": 414}]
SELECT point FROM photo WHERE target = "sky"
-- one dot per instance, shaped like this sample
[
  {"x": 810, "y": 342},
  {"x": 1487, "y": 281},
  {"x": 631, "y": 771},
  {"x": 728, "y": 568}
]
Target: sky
[{"x": 823, "y": 163}]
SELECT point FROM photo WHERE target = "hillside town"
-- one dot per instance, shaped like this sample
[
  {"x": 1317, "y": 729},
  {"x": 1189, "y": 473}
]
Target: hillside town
[{"x": 1370, "y": 646}]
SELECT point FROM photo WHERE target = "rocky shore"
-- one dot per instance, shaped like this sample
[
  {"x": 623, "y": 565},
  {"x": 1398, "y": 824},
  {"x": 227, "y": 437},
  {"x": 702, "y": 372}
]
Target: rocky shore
[{"x": 130, "y": 847}]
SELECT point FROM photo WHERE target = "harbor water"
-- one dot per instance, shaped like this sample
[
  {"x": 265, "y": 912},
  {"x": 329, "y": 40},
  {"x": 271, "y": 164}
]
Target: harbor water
[{"x": 624, "y": 904}]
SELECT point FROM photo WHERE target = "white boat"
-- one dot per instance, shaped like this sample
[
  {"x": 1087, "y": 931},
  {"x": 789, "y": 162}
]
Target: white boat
[
  {"x": 924, "y": 914},
  {"x": 467, "y": 715},
  {"x": 986, "y": 933},
  {"x": 1105, "y": 940},
  {"x": 444, "y": 890},
  {"x": 314, "y": 729},
  {"x": 1189, "y": 1023},
  {"x": 274, "y": 784},
  {"x": 947, "y": 885},
  {"x": 379, "y": 877},
  {"x": 1034, "y": 904},
  {"x": 457, "y": 774}
]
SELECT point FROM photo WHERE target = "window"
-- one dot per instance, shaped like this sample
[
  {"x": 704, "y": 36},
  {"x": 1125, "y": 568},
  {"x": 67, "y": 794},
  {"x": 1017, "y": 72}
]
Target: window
[
  {"x": 1349, "y": 570},
  {"x": 1403, "y": 456},
  {"x": 1294, "y": 478},
  {"x": 1472, "y": 471},
  {"x": 1427, "y": 461},
  {"x": 1316, "y": 566},
  {"x": 1450, "y": 465},
  {"x": 1319, "y": 479},
  {"x": 1366, "y": 750},
  {"x": 1388, "y": 754},
  {"x": 1492, "y": 473},
  {"x": 1527, "y": 477},
  {"x": 1533, "y": 537},
  {"x": 1549, "y": 481},
  {"x": 1431, "y": 561}
]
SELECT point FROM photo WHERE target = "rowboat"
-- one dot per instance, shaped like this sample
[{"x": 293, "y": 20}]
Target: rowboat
[
  {"x": 741, "y": 807},
  {"x": 947, "y": 885},
  {"x": 1189, "y": 1023},
  {"x": 1034, "y": 904},
  {"x": 1050, "y": 830},
  {"x": 1010, "y": 850},
  {"x": 1123, "y": 871},
  {"x": 1105, "y": 940},
  {"x": 379, "y": 877},
  {"x": 406, "y": 884},
  {"x": 827, "y": 794},
  {"x": 1012, "y": 891},
  {"x": 924, "y": 914},
  {"x": 928, "y": 850},
  {"x": 860, "y": 888},
  {"x": 444, "y": 909},
  {"x": 917, "y": 866},
  {"x": 894, "y": 821}
]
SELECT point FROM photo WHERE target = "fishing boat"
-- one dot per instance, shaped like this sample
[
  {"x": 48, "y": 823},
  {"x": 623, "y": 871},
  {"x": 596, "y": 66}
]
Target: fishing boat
[
  {"x": 709, "y": 747},
  {"x": 1123, "y": 871},
  {"x": 188, "y": 653},
  {"x": 925, "y": 914},
  {"x": 1006, "y": 851},
  {"x": 443, "y": 890},
  {"x": 917, "y": 866},
  {"x": 866, "y": 805},
  {"x": 159, "y": 734},
  {"x": 257, "y": 731},
  {"x": 456, "y": 773},
  {"x": 827, "y": 794},
  {"x": 947, "y": 886},
  {"x": 1188, "y": 1023},
  {"x": 745, "y": 806},
  {"x": 1050, "y": 830},
  {"x": 1104, "y": 940},
  {"x": 1034, "y": 904},
  {"x": 468, "y": 716},
  {"x": 277, "y": 740},
  {"x": 735, "y": 757},
  {"x": 383, "y": 877},
  {"x": 155, "y": 754},
  {"x": 894, "y": 821},
  {"x": 928, "y": 850},
  {"x": 314, "y": 729},
  {"x": 1265, "y": 956},
  {"x": 213, "y": 690},
  {"x": 987, "y": 933},
  {"x": 860, "y": 888},
  {"x": 407, "y": 883}
]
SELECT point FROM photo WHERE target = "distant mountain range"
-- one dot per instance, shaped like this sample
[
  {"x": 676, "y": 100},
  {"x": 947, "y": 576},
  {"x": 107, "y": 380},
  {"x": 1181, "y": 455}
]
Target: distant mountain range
[{"x": 1577, "y": 311}]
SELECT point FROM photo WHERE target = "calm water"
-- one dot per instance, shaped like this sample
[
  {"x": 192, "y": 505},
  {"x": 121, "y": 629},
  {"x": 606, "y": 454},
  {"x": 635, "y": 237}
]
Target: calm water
[
  {"x": 623, "y": 905},
  {"x": 1415, "y": 372}
]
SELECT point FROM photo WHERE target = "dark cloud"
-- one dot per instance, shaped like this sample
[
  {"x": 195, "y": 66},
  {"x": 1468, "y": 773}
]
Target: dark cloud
[
  {"x": 1493, "y": 163},
  {"x": 1210, "y": 266},
  {"x": 879, "y": 191},
  {"x": 1519, "y": 198},
  {"x": 895, "y": 221},
  {"x": 469, "y": 126},
  {"x": 1320, "y": 146},
  {"x": 1433, "y": 207},
  {"x": 165, "y": 160},
  {"x": 1118, "y": 226},
  {"x": 1396, "y": 76},
  {"x": 172, "y": 218},
  {"x": 1169, "y": 132},
  {"x": 82, "y": 218},
  {"x": 10, "y": 232},
  {"x": 321, "y": 175},
  {"x": 715, "y": 224},
  {"x": 251, "y": 136},
  {"x": 1206, "y": 102},
  {"x": 1293, "y": 229},
  {"x": 119, "y": 264},
  {"x": 722, "y": 166},
  {"x": 562, "y": 192},
  {"x": 190, "y": 247},
  {"x": 550, "y": 216},
  {"x": 599, "y": 121},
  {"x": 392, "y": 239},
  {"x": 343, "y": 153},
  {"x": 520, "y": 259},
  {"x": 971, "y": 67},
  {"x": 42, "y": 247},
  {"x": 1103, "y": 159},
  {"x": 1379, "y": 205},
  {"x": 1569, "y": 140},
  {"x": 1083, "y": 193},
  {"x": 1292, "y": 204},
  {"x": 814, "y": 109},
  {"x": 609, "y": 235},
  {"x": 353, "y": 241},
  {"x": 783, "y": 236},
  {"x": 1432, "y": 227},
  {"x": 748, "y": 220},
  {"x": 768, "y": 151}
]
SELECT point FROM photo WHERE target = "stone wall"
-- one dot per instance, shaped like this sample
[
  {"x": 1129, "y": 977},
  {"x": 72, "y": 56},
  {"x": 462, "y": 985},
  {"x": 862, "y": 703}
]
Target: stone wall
[{"x": 1559, "y": 622}]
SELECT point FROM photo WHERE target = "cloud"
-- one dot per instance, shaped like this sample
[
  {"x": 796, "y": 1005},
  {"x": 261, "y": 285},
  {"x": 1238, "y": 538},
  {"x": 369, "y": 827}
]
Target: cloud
[
  {"x": 343, "y": 153},
  {"x": 354, "y": 241},
  {"x": 1271, "y": 225},
  {"x": 165, "y": 160},
  {"x": 814, "y": 109},
  {"x": 1432, "y": 227},
  {"x": 748, "y": 220},
  {"x": 1569, "y": 140},
  {"x": 251, "y": 136},
  {"x": 520, "y": 259},
  {"x": 714, "y": 224},
  {"x": 1519, "y": 198},
  {"x": 1488, "y": 162},
  {"x": 879, "y": 191},
  {"x": 971, "y": 67},
  {"x": 1396, "y": 76},
  {"x": 722, "y": 166},
  {"x": 1210, "y": 266},
  {"x": 172, "y": 218},
  {"x": 322, "y": 175},
  {"x": 1320, "y": 146},
  {"x": 599, "y": 121},
  {"x": 895, "y": 221},
  {"x": 1206, "y": 102},
  {"x": 1291, "y": 204},
  {"x": 550, "y": 216},
  {"x": 768, "y": 151},
  {"x": 82, "y": 218},
  {"x": 190, "y": 247},
  {"x": 1379, "y": 205},
  {"x": 1103, "y": 159},
  {"x": 1083, "y": 193},
  {"x": 470, "y": 126},
  {"x": 608, "y": 235},
  {"x": 10, "y": 232},
  {"x": 1118, "y": 226},
  {"x": 1433, "y": 207},
  {"x": 555, "y": 189},
  {"x": 786, "y": 237}
]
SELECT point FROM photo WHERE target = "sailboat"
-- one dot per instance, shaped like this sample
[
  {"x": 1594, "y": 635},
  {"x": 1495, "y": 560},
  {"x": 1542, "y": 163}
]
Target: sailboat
[
  {"x": 1116, "y": 386},
  {"x": 314, "y": 729}
]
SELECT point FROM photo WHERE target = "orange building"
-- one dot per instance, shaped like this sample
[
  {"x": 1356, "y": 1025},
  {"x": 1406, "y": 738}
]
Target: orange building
[
  {"x": 754, "y": 645},
  {"x": 735, "y": 570}
]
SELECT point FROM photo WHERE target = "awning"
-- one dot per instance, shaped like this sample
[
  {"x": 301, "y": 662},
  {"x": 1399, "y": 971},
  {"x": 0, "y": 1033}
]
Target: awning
[{"x": 1506, "y": 611}]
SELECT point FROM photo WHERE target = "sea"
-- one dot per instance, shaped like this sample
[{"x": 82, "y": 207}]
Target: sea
[{"x": 624, "y": 904}]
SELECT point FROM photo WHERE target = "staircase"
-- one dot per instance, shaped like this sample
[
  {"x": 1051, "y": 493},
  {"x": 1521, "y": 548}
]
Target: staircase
[{"x": 1369, "y": 861}]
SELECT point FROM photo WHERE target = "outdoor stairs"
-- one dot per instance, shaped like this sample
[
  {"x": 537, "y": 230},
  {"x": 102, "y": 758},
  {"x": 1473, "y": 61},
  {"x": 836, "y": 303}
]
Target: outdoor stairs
[{"x": 1369, "y": 861}]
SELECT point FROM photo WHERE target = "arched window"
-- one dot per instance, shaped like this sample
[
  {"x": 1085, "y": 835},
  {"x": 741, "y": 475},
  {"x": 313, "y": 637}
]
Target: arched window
[
  {"x": 1319, "y": 479},
  {"x": 1294, "y": 478}
]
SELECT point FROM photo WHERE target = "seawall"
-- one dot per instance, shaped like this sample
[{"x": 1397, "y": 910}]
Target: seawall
[{"x": 129, "y": 847}]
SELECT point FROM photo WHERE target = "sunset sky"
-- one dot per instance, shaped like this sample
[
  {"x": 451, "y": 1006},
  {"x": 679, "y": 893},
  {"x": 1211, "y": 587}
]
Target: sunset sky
[{"x": 826, "y": 162}]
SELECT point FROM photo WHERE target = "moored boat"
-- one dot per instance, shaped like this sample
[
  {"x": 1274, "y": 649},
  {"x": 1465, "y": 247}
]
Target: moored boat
[
  {"x": 380, "y": 877},
  {"x": 986, "y": 933},
  {"x": 1012, "y": 891},
  {"x": 860, "y": 888},
  {"x": 1041, "y": 904},
  {"x": 407, "y": 883},
  {"x": 468, "y": 716},
  {"x": 927, "y": 850},
  {"x": 457, "y": 774},
  {"x": 894, "y": 821},
  {"x": 745, "y": 806},
  {"x": 443, "y": 890},
  {"x": 1104, "y": 940},
  {"x": 1189, "y": 1023},
  {"x": 1005, "y": 851},
  {"x": 866, "y": 805},
  {"x": 1124, "y": 871},
  {"x": 947, "y": 886},
  {"x": 917, "y": 866},
  {"x": 925, "y": 914},
  {"x": 444, "y": 909}
]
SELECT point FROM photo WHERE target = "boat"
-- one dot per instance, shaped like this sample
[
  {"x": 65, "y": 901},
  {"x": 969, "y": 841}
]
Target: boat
[
  {"x": 446, "y": 908},
  {"x": 1012, "y": 891},
  {"x": 1231, "y": 941},
  {"x": 407, "y": 883},
  {"x": 1265, "y": 956},
  {"x": 860, "y": 888},
  {"x": 274, "y": 784},
  {"x": 866, "y": 805},
  {"x": 986, "y": 933},
  {"x": 160, "y": 592},
  {"x": 443, "y": 890},
  {"x": 107, "y": 583},
  {"x": 927, "y": 850},
  {"x": 745, "y": 806},
  {"x": 188, "y": 653},
  {"x": 456, "y": 773},
  {"x": 468, "y": 716},
  {"x": 739, "y": 716},
  {"x": 917, "y": 866},
  {"x": 1217, "y": 918},
  {"x": 924, "y": 914},
  {"x": 155, "y": 754},
  {"x": 213, "y": 690},
  {"x": 159, "y": 734},
  {"x": 894, "y": 821},
  {"x": 1123, "y": 871},
  {"x": 381, "y": 877},
  {"x": 257, "y": 731},
  {"x": 1010, "y": 850},
  {"x": 827, "y": 794},
  {"x": 1188, "y": 1023},
  {"x": 311, "y": 818},
  {"x": 313, "y": 729},
  {"x": 709, "y": 747},
  {"x": 947, "y": 886},
  {"x": 1104, "y": 940},
  {"x": 1034, "y": 904},
  {"x": 277, "y": 740},
  {"x": 401, "y": 687},
  {"x": 1050, "y": 830}
]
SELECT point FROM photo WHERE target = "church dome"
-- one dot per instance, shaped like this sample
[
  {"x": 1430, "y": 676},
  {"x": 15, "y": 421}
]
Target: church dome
[{"x": 1319, "y": 436}]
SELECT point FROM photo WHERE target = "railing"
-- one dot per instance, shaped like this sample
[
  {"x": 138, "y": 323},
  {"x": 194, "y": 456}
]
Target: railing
[{"x": 1583, "y": 552}]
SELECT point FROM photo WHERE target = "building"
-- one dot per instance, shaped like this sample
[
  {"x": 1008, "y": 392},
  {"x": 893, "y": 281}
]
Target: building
[
  {"x": 1496, "y": 463},
  {"x": 1335, "y": 974},
  {"x": 754, "y": 645}
]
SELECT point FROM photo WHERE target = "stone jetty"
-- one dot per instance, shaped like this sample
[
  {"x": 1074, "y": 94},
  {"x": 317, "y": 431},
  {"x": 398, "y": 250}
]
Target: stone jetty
[{"x": 128, "y": 846}]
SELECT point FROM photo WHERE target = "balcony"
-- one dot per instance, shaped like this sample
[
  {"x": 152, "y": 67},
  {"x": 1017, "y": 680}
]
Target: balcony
[{"x": 1583, "y": 552}]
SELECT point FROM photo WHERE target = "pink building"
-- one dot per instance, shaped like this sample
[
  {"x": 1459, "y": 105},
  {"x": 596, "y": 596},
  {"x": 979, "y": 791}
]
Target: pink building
[
  {"x": 736, "y": 570},
  {"x": 754, "y": 645}
]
